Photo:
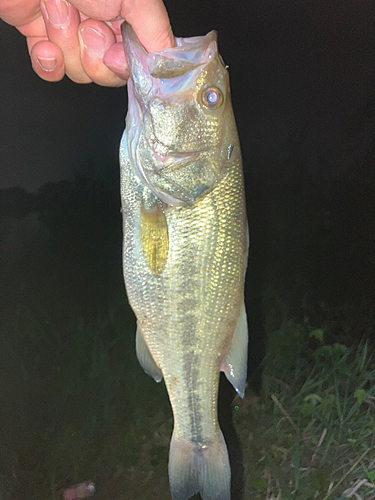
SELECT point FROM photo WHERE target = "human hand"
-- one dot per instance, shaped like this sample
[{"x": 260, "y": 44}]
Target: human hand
[{"x": 82, "y": 38}]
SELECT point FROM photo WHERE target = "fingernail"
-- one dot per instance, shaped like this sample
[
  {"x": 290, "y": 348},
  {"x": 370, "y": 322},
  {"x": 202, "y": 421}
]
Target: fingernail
[
  {"x": 57, "y": 12},
  {"x": 47, "y": 63},
  {"x": 93, "y": 41},
  {"x": 125, "y": 75}
]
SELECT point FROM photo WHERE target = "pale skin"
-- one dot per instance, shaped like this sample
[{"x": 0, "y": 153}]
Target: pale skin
[{"x": 82, "y": 38}]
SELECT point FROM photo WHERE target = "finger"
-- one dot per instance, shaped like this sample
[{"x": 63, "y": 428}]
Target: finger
[
  {"x": 101, "y": 10},
  {"x": 47, "y": 59},
  {"x": 62, "y": 21},
  {"x": 19, "y": 12},
  {"x": 148, "y": 18},
  {"x": 114, "y": 59},
  {"x": 150, "y": 23},
  {"x": 34, "y": 28},
  {"x": 96, "y": 38}
]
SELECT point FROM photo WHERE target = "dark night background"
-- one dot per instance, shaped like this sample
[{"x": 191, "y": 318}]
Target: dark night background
[{"x": 302, "y": 81}]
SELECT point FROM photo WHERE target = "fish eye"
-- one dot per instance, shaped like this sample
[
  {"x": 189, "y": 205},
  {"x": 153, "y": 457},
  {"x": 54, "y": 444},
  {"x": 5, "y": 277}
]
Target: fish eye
[{"x": 212, "y": 98}]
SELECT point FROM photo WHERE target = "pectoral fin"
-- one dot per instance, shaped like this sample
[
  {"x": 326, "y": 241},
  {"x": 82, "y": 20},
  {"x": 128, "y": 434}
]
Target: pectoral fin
[
  {"x": 235, "y": 364},
  {"x": 154, "y": 237},
  {"x": 145, "y": 357}
]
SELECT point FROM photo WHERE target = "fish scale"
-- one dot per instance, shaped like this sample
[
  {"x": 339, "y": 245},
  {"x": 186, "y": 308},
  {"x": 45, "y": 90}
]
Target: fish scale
[{"x": 184, "y": 261}]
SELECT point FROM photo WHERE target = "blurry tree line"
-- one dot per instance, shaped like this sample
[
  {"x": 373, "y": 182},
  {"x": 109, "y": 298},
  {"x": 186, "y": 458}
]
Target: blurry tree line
[{"x": 77, "y": 262}]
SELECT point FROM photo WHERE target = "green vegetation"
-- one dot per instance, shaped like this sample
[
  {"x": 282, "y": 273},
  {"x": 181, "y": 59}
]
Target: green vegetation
[{"x": 311, "y": 434}]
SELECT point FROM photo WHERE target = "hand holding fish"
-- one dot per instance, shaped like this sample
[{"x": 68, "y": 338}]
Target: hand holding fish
[{"x": 81, "y": 38}]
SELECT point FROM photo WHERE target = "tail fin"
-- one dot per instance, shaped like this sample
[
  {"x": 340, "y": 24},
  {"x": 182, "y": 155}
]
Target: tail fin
[{"x": 194, "y": 469}]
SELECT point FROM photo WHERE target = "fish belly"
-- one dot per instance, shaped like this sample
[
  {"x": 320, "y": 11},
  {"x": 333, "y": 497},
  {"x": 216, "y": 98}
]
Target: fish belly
[{"x": 187, "y": 316}]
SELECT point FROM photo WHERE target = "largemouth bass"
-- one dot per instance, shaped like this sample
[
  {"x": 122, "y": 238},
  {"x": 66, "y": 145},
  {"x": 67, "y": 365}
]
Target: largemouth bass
[{"x": 185, "y": 246}]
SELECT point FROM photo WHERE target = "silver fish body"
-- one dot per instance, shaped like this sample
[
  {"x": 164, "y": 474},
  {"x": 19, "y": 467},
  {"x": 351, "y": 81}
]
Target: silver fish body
[{"x": 185, "y": 246}]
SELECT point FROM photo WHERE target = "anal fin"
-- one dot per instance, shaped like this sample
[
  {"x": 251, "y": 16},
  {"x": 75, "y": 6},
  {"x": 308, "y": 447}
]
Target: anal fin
[
  {"x": 145, "y": 357},
  {"x": 235, "y": 364}
]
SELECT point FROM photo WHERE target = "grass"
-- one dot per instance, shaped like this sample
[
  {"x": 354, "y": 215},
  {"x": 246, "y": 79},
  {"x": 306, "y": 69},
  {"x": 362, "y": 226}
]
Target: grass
[
  {"x": 89, "y": 412},
  {"x": 311, "y": 434}
]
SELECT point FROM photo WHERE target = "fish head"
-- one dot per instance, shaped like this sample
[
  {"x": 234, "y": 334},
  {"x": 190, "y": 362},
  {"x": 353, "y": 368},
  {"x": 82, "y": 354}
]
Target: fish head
[{"x": 178, "y": 117}]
